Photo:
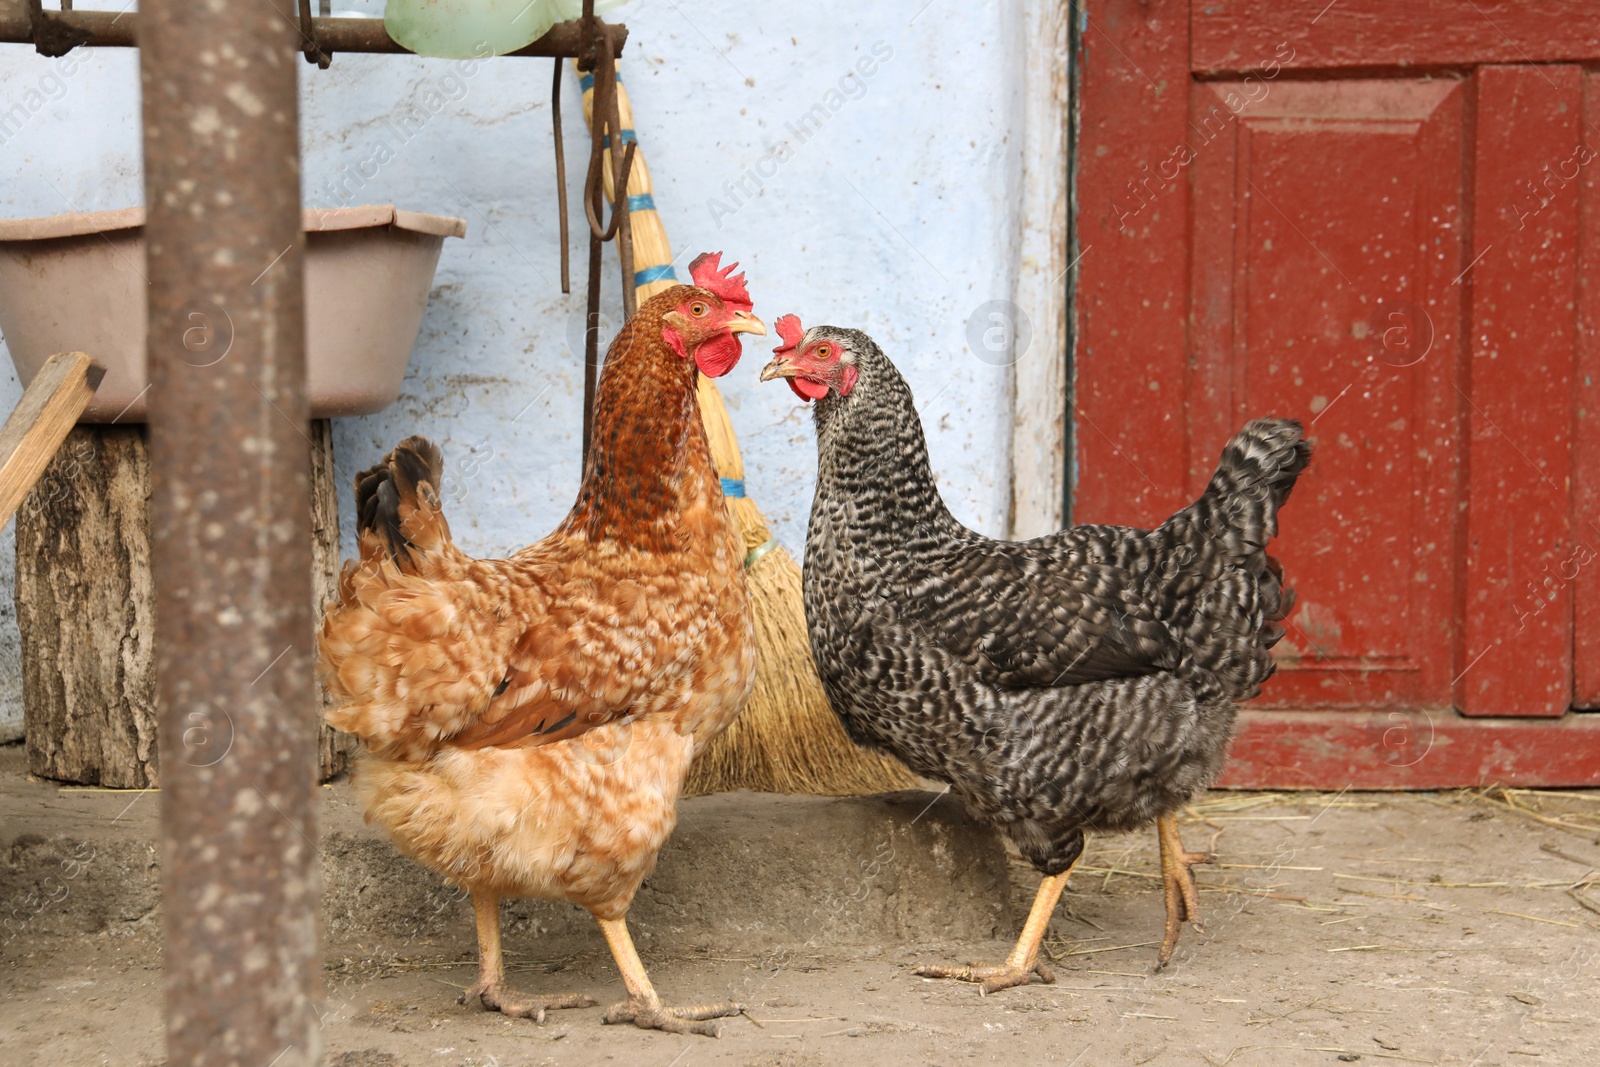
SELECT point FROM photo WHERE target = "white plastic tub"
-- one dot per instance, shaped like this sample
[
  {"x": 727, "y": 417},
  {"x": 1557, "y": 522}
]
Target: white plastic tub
[{"x": 76, "y": 283}]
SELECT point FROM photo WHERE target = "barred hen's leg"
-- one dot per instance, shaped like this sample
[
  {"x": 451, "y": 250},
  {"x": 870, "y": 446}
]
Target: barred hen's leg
[
  {"x": 643, "y": 1008},
  {"x": 1024, "y": 964},
  {"x": 1183, "y": 903},
  {"x": 490, "y": 988}
]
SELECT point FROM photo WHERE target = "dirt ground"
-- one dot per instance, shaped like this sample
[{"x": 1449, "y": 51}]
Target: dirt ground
[{"x": 1429, "y": 929}]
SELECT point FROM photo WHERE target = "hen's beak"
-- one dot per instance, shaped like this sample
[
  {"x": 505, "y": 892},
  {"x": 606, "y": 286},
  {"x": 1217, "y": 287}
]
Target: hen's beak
[
  {"x": 744, "y": 322},
  {"x": 780, "y": 367}
]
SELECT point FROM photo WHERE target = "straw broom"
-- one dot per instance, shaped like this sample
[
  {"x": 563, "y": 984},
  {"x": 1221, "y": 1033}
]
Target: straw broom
[{"x": 787, "y": 739}]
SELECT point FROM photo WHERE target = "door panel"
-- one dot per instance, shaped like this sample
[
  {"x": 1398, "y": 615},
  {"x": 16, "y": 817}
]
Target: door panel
[
  {"x": 1129, "y": 441},
  {"x": 1515, "y": 654},
  {"x": 1586, "y": 424},
  {"x": 1324, "y": 253}
]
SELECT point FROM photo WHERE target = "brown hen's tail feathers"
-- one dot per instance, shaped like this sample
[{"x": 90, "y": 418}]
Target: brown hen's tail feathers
[{"x": 398, "y": 514}]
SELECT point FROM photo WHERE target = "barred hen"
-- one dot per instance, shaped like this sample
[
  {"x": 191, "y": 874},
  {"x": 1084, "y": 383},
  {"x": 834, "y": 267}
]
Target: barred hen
[
  {"x": 528, "y": 722},
  {"x": 1085, "y": 681}
]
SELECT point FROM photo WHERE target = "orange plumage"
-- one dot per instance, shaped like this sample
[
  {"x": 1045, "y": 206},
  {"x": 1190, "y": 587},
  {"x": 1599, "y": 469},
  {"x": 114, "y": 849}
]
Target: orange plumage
[{"x": 529, "y": 721}]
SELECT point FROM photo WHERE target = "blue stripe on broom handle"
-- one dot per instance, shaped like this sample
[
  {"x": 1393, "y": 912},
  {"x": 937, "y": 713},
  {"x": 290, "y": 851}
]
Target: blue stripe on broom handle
[
  {"x": 586, "y": 81},
  {"x": 641, "y": 202},
  {"x": 733, "y": 487},
  {"x": 655, "y": 274}
]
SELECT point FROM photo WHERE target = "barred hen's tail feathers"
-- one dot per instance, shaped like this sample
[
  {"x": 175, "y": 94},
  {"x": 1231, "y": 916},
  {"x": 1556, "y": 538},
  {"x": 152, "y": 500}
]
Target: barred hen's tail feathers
[
  {"x": 398, "y": 514},
  {"x": 1259, "y": 466},
  {"x": 1236, "y": 597}
]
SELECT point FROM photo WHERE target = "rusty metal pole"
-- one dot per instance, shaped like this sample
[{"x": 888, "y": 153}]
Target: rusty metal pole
[
  {"x": 55, "y": 32},
  {"x": 231, "y": 548}
]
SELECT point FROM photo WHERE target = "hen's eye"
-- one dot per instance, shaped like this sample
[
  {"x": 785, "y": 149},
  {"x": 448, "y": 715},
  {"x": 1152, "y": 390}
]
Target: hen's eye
[
  {"x": 697, "y": 309},
  {"x": 824, "y": 351}
]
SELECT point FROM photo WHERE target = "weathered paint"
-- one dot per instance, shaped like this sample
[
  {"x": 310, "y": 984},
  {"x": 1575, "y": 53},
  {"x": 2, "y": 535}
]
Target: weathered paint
[
  {"x": 1413, "y": 749},
  {"x": 1370, "y": 33},
  {"x": 1130, "y": 448},
  {"x": 1517, "y": 606},
  {"x": 1586, "y": 421},
  {"x": 1353, "y": 332},
  {"x": 1393, "y": 258},
  {"x": 1044, "y": 269}
]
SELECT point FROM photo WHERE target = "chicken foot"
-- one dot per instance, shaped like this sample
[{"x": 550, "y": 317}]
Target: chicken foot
[
  {"x": 490, "y": 989},
  {"x": 1183, "y": 902},
  {"x": 1024, "y": 964},
  {"x": 643, "y": 1008}
]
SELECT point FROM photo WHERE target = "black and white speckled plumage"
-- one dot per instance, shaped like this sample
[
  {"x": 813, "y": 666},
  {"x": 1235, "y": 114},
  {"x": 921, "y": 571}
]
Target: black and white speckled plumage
[{"x": 1083, "y": 681}]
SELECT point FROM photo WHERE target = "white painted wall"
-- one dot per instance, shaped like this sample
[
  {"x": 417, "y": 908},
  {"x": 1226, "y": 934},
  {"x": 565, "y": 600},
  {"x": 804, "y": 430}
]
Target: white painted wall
[{"x": 896, "y": 216}]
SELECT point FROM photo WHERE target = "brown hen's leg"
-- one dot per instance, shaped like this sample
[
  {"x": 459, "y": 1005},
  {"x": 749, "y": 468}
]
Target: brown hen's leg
[
  {"x": 490, "y": 988},
  {"x": 1183, "y": 903},
  {"x": 643, "y": 1008},
  {"x": 1024, "y": 964}
]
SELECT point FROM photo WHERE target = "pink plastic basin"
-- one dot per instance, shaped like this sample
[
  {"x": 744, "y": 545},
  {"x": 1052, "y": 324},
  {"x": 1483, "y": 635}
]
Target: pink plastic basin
[{"x": 76, "y": 283}]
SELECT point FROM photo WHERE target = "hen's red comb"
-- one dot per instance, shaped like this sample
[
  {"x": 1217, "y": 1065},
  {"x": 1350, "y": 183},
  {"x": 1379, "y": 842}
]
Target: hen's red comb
[
  {"x": 708, "y": 274},
  {"x": 789, "y": 328}
]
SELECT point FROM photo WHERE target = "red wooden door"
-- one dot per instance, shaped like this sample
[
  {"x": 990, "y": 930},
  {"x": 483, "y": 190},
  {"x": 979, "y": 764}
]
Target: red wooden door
[{"x": 1383, "y": 221}]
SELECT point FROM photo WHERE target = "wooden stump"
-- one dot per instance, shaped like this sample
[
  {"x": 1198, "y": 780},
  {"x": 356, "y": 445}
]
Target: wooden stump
[
  {"x": 335, "y": 747},
  {"x": 86, "y": 608}
]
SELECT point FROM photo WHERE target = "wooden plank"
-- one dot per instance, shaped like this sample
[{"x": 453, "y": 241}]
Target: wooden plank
[
  {"x": 48, "y": 410},
  {"x": 1515, "y": 652},
  {"x": 1038, "y": 377},
  {"x": 1368, "y": 34},
  {"x": 1129, "y": 441},
  {"x": 1586, "y": 424},
  {"x": 333, "y": 746},
  {"x": 1410, "y": 750}
]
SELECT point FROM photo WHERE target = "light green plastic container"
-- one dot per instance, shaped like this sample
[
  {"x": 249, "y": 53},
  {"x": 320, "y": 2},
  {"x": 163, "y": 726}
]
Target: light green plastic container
[{"x": 465, "y": 29}]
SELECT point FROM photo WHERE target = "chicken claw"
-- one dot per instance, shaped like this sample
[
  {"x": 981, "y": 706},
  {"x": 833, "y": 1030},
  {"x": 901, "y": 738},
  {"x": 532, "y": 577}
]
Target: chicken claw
[
  {"x": 643, "y": 1008},
  {"x": 495, "y": 997},
  {"x": 994, "y": 977},
  {"x": 1183, "y": 902},
  {"x": 490, "y": 988},
  {"x": 672, "y": 1020},
  {"x": 1024, "y": 964}
]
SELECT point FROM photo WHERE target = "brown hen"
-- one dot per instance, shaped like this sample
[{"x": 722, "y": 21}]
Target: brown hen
[{"x": 528, "y": 722}]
